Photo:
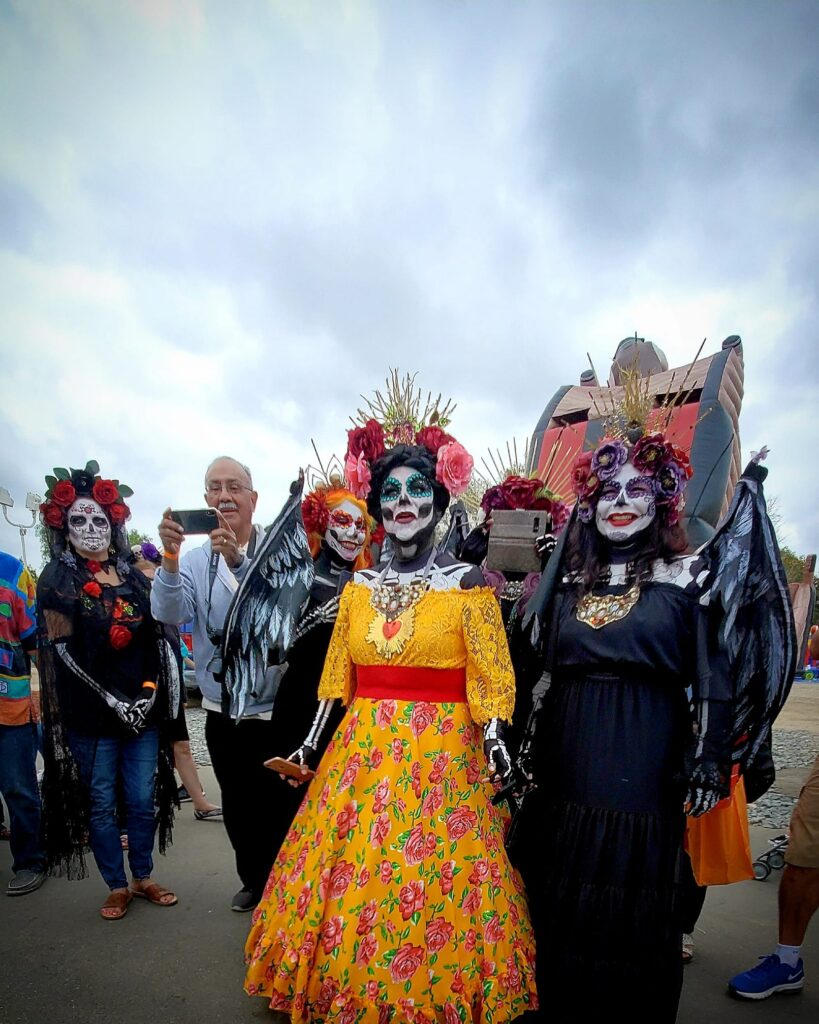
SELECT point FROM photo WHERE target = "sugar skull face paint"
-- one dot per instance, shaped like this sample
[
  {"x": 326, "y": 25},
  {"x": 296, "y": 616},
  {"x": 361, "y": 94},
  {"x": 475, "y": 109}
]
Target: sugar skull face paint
[
  {"x": 346, "y": 531},
  {"x": 626, "y": 505},
  {"x": 407, "y": 507},
  {"x": 88, "y": 527}
]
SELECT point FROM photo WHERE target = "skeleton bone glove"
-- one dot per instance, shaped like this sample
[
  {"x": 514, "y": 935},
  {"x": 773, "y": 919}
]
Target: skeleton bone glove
[
  {"x": 307, "y": 753},
  {"x": 497, "y": 756}
]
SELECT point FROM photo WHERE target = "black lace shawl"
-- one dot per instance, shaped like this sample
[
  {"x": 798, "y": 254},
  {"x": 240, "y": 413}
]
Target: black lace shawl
[{"x": 65, "y": 799}]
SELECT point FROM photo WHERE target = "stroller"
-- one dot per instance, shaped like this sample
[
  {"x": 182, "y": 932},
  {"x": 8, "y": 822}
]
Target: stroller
[{"x": 771, "y": 860}]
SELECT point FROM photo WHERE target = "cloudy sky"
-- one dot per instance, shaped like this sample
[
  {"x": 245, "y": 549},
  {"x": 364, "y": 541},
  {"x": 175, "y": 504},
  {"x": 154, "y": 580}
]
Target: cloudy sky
[{"x": 221, "y": 223}]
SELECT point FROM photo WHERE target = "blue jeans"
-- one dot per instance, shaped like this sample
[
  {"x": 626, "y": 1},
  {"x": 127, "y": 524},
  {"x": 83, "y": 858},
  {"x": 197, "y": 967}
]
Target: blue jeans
[
  {"x": 102, "y": 760},
  {"x": 18, "y": 784}
]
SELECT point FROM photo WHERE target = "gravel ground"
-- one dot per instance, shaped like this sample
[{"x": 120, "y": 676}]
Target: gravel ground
[{"x": 790, "y": 750}]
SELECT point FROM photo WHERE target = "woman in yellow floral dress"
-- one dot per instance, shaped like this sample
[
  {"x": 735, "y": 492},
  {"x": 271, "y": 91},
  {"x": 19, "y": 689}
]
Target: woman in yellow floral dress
[{"x": 392, "y": 898}]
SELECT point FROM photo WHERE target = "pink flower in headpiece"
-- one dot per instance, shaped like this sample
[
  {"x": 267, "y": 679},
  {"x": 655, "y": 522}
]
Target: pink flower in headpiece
[
  {"x": 454, "y": 468},
  {"x": 358, "y": 475}
]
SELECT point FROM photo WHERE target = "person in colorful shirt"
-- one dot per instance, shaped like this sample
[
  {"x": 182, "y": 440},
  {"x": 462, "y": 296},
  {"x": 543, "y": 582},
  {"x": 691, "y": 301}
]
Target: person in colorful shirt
[
  {"x": 392, "y": 897},
  {"x": 18, "y": 730}
]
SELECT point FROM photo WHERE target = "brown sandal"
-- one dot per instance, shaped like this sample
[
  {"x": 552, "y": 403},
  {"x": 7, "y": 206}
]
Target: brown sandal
[
  {"x": 155, "y": 893},
  {"x": 117, "y": 903}
]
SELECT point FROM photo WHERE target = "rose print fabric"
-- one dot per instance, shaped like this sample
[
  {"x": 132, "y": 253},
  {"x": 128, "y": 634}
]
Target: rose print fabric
[{"x": 392, "y": 898}]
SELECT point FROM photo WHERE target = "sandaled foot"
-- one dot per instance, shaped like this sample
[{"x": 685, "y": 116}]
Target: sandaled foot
[
  {"x": 116, "y": 906},
  {"x": 208, "y": 814},
  {"x": 153, "y": 893}
]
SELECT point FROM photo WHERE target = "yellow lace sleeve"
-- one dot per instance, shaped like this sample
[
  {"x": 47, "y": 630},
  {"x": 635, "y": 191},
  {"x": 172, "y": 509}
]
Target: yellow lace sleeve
[
  {"x": 490, "y": 680},
  {"x": 337, "y": 674}
]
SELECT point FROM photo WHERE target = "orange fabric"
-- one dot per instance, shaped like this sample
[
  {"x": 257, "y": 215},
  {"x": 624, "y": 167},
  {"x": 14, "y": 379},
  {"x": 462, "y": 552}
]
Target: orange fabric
[{"x": 718, "y": 843}]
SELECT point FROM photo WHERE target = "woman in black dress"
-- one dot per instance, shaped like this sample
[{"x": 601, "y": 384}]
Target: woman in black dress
[{"x": 620, "y": 751}]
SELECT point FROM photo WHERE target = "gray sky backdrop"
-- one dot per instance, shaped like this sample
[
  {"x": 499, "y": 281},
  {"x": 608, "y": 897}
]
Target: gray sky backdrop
[{"x": 221, "y": 223}]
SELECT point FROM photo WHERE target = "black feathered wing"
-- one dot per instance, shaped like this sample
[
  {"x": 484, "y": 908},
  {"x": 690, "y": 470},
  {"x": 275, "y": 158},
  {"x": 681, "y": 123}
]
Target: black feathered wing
[
  {"x": 261, "y": 623},
  {"x": 744, "y": 584}
]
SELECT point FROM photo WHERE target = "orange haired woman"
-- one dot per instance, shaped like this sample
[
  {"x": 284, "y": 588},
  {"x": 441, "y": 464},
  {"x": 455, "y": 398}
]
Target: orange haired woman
[{"x": 339, "y": 531}]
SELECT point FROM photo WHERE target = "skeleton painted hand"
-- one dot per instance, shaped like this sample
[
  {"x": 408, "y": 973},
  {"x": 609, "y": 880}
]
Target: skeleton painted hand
[
  {"x": 497, "y": 756},
  {"x": 544, "y": 546},
  {"x": 137, "y": 712},
  {"x": 307, "y": 753},
  {"x": 704, "y": 789}
]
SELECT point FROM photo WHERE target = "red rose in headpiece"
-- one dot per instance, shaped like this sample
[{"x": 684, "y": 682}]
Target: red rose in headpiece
[
  {"x": 432, "y": 438},
  {"x": 63, "y": 493},
  {"x": 520, "y": 491},
  {"x": 105, "y": 492},
  {"x": 581, "y": 472},
  {"x": 118, "y": 513},
  {"x": 367, "y": 441},
  {"x": 315, "y": 512},
  {"x": 52, "y": 514}
]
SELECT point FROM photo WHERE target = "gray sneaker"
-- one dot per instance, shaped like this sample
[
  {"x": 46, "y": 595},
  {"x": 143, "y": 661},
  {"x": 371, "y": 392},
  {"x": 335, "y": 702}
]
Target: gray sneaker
[{"x": 25, "y": 881}]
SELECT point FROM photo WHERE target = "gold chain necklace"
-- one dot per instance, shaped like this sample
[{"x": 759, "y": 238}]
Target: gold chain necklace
[{"x": 598, "y": 610}]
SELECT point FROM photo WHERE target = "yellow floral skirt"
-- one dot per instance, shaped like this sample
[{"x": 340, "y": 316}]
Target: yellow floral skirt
[{"x": 392, "y": 898}]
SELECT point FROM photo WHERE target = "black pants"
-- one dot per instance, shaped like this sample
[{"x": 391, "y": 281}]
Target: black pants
[{"x": 257, "y": 807}]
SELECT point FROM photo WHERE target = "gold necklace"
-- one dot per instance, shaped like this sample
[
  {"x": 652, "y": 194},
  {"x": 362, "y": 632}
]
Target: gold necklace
[
  {"x": 393, "y": 599},
  {"x": 598, "y": 610},
  {"x": 394, "y": 623}
]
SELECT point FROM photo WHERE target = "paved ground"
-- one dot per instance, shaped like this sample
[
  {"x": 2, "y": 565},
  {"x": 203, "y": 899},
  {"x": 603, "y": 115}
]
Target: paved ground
[{"x": 61, "y": 964}]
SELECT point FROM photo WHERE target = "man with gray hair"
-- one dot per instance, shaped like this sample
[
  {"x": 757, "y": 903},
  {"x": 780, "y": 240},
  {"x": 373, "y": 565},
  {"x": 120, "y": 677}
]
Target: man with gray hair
[{"x": 198, "y": 588}]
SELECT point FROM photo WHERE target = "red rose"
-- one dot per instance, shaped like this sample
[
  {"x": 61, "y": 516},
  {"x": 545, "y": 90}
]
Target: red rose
[
  {"x": 350, "y": 772},
  {"x": 461, "y": 821},
  {"x": 580, "y": 473},
  {"x": 382, "y": 796},
  {"x": 367, "y": 441},
  {"x": 473, "y": 771},
  {"x": 493, "y": 932},
  {"x": 105, "y": 492},
  {"x": 414, "y": 846},
  {"x": 363, "y": 878},
  {"x": 438, "y": 934},
  {"x": 415, "y": 774},
  {"x": 451, "y": 1015},
  {"x": 439, "y": 767},
  {"x": 324, "y": 881},
  {"x": 446, "y": 726},
  {"x": 479, "y": 873},
  {"x": 406, "y": 962},
  {"x": 63, "y": 493},
  {"x": 376, "y": 757},
  {"x": 385, "y": 872},
  {"x": 432, "y": 438},
  {"x": 495, "y": 873},
  {"x": 433, "y": 802},
  {"x": 303, "y": 901},
  {"x": 119, "y": 637},
  {"x": 472, "y": 902},
  {"x": 372, "y": 990},
  {"x": 379, "y": 830},
  {"x": 520, "y": 491},
  {"x": 469, "y": 940},
  {"x": 385, "y": 712},
  {"x": 315, "y": 512},
  {"x": 447, "y": 877},
  {"x": 412, "y": 898},
  {"x": 367, "y": 918},
  {"x": 340, "y": 878},
  {"x": 367, "y": 949},
  {"x": 487, "y": 968},
  {"x": 348, "y": 732},
  {"x": 514, "y": 914},
  {"x": 423, "y": 714},
  {"x": 331, "y": 934},
  {"x": 347, "y": 819},
  {"x": 52, "y": 514},
  {"x": 118, "y": 513},
  {"x": 457, "y": 984},
  {"x": 93, "y": 589},
  {"x": 308, "y": 946},
  {"x": 397, "y": 750},
  {"x": 327, "y": 994},
  {"x": 318, "y": 838},
  {"x": 513, "y": 979}
]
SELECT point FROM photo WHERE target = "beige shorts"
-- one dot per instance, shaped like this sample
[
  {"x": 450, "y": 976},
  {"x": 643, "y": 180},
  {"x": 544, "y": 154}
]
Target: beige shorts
[{"x": 803, "y": 846}]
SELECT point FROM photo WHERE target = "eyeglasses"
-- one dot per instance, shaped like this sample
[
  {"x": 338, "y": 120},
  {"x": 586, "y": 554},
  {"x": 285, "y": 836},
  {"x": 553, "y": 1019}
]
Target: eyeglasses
[{"x": 231, "y": 486}]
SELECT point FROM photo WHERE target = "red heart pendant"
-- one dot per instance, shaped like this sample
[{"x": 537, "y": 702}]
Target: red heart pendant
[{"x": 389, "y": 629}]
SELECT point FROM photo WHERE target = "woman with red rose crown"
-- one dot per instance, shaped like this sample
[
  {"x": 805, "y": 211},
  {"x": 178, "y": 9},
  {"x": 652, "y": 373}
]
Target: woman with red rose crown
[
  {"x": 392, "y": 898},
  {"x": 109, "y": 689}
]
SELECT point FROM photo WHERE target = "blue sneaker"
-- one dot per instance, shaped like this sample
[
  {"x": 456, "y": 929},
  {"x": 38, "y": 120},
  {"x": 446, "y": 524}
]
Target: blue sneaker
[{"x": 769, "y": 976}]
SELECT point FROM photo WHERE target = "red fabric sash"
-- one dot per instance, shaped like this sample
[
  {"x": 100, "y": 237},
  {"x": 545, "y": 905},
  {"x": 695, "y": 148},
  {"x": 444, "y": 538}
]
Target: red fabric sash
[{"x": 402, "y": 682}]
